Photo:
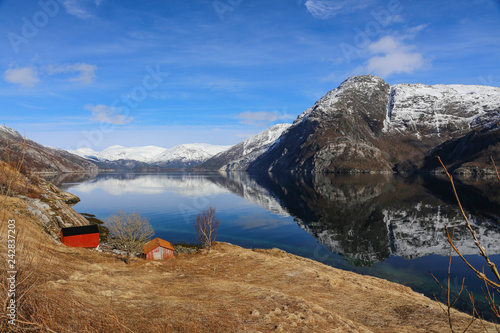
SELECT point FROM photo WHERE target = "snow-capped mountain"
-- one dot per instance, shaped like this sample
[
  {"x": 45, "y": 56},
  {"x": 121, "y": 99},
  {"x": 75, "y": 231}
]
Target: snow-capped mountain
[
  {"x": 366, "y": 125},
  {"x": 187, "y": 155},
  {"x": 176, "y": 157},
  {"x": 239, "y": 156},
  {"x": 114, "y": 153}
]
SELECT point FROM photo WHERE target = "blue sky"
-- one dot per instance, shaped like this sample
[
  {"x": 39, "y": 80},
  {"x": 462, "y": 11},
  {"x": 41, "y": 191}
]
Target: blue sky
[{"x": 95, "y": 73}]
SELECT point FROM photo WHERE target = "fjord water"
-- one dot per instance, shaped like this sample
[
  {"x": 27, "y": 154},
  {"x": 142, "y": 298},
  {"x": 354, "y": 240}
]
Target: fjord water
[{"x": 381, "y": 225}]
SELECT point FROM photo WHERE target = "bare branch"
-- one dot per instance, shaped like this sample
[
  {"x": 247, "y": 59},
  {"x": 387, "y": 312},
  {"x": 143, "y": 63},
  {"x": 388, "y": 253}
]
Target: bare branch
[
  {"x": 206, "y": 225},
  {"x": 129, "y": 233},
  {"x": 482, "y": 251},
  {"x": 495, "y": 166}
]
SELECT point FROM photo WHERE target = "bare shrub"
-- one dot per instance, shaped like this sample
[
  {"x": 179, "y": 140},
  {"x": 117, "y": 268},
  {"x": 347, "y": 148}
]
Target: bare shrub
[
  {"x": 10, "y": 169},
  {"x": 15, "y": 177},
  {"x": 206, "y": 225},
  {"x": 129, "y": 232}
]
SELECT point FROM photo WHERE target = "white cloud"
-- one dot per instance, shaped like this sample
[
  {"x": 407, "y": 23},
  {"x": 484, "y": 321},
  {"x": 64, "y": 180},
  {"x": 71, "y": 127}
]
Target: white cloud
[
  {"x": 325, "y": 9},
  {"x": 86, "y": 72},
  {"x": 413, "y": 31},
  {"x": 392, "y": 57},
  {"x": 79, "y": 8},
  {"x": 25, "y": 76},
  {"x": 108, "y": 114},
  {"x": 261, "y": 118}
]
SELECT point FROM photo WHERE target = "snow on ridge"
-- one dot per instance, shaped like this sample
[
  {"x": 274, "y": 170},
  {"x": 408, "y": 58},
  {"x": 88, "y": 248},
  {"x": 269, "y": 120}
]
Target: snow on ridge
[
  {"x": 190, "y": 152},
  {"x": 418, "y": 105},
  {"x": 153, "y": 154},
  {"x": 264, "y": 138},
  {"x": 253, "y": 147},
  {"x": 9, "y": 130},
  {"x": 332, "y": 96}
]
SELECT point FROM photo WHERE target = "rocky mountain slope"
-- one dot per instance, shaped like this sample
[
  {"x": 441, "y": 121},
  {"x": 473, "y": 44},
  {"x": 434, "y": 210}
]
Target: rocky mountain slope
[
  {"x": 239, "y": 156},
  {"x": 366, "y": 125},
  {"x": 38, "y": 157},
  {"x": 181, "y": 156}
]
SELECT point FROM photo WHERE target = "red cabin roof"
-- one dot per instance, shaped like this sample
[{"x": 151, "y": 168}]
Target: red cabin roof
[{"x": 153, "y": 244}]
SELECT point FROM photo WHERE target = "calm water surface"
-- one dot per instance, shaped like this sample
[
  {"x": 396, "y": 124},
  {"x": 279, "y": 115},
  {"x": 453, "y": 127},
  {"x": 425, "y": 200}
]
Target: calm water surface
[{"x": 380, "y": 225}]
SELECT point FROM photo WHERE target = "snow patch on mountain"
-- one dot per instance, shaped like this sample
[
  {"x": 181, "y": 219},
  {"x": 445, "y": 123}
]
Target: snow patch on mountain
[
  {"x": 241, "y": 155},
  {"x": 10, "y": 131},
  {"x": 427, "y": 110}
]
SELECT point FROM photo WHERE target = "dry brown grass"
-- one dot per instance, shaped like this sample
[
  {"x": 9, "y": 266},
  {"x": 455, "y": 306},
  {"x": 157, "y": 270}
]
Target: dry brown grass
[{"x": 15, "y": 180}]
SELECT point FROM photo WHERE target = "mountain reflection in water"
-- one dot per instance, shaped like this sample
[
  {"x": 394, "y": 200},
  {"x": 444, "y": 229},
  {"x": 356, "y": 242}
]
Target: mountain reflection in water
[
  {"x": 381, "y": 225},
  {"x": 368, "y": 218}
]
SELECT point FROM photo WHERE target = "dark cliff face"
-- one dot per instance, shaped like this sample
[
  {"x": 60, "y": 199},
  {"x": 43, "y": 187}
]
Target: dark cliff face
[
  {"x": 365, "y": 125},
  {"x": 338, "y": 134},
  {"x": 39, "y": 158},
  {"x": 470, "y": 154}
]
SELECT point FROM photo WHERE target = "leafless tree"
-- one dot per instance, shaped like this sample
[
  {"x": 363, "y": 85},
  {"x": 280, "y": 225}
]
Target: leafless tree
[
  {"x": 129, "y": 232},
  {"x": 206, "y": 225}
]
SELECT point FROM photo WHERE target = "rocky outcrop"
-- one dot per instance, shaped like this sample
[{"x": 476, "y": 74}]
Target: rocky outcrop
[
  {"x": 365, "y": 125},
  {"x": 39, "y": 158},
  {"x": 52, "y": 209}
]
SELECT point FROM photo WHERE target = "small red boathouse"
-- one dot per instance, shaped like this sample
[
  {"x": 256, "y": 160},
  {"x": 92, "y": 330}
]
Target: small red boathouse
[
  {"x": 84, "y": 236},
  {"x": 158, "y": 249}
]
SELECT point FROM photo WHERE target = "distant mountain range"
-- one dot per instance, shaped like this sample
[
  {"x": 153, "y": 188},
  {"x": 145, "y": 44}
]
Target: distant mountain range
[
  {"x": 364, "y": 125},
  {"x": 182, "y": 156}
]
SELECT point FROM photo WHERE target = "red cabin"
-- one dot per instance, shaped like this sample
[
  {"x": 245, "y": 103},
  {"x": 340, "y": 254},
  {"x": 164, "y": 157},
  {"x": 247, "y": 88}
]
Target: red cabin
[
  {"x": 84, "y": 236},
  {"x": 158, "y": 249}
]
